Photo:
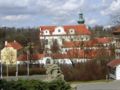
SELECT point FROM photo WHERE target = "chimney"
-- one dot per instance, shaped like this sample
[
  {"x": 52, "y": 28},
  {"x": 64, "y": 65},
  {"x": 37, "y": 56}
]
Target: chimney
[
  {"x": 14, "y": 41},
  {"x": 6, "y": 43}
]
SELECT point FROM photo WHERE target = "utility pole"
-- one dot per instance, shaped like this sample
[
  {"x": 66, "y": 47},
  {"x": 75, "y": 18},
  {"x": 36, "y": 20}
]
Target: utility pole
[
  {"x": 1, "y": 69},
  {"x": 17, "y": 70},
  {"x": 28, "y": 63}
]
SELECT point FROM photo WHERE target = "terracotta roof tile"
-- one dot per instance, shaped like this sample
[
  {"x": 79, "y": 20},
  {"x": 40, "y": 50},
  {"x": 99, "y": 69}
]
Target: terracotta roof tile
[
  {"x": 50, "y": 28},
  {"x": 103, "y": 40},
  {"x": 114, "y": 63},
  {"x": 14, "y": 44},
  {"x": 91, "y": 54},
  {"x": 59, "y": 56},
  {"x": 75, "y": 53},
  {"x": 70, "y": 44},
  {"x": 78, "y": 53},
  {"x": 79, "y": 29},
  {"x": 116, "y": 31},
  {"x": 37, "y": 56}
]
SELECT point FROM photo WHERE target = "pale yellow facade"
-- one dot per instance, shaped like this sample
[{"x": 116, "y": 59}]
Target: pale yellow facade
[{"x": 8, "y": 55}]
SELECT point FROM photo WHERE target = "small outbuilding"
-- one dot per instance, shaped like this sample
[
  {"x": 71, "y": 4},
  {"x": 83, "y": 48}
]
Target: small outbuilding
[{"x": 114, "y": 69}]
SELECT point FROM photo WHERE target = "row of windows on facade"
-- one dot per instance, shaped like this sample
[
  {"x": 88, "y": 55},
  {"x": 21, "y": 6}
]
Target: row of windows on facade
[{"x": 63, "y": 40}]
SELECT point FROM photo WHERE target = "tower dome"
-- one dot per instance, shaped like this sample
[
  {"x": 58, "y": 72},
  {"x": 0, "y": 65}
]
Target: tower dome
[{"x": 81, "y": 19}]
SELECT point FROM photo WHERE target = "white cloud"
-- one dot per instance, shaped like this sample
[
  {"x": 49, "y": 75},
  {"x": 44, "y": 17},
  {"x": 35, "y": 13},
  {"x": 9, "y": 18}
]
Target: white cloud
[
  {"x": 15, "y": 17},
  {"x": 114, "y": 7},
  {"x": 56, "y": 11},
  {"x": 92, "y": 22}
]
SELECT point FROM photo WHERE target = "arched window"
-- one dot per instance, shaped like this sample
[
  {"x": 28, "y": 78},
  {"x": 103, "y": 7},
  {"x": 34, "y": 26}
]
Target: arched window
[
  {"x": 59, "y": 30},
  {"x": 46, "y": 41},
  {"x": 48, "y": 61},
  {"x": 46, "y": 31}
]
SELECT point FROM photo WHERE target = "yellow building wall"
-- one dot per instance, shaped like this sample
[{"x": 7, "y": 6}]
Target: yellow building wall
[{"x": 8, "y": 55}]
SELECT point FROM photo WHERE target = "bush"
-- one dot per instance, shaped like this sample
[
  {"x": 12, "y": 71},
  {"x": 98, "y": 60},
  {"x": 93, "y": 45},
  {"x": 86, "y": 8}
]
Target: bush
[
  {"x": 22, "y": 70},
  {"x": 34, "y": 85},
  {"x": 91, "y": 70},
  {"x": 59, "y": 85}
]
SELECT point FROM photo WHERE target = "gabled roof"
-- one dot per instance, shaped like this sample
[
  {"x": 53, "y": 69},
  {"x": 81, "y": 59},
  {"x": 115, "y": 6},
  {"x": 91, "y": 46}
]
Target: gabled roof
[
  {"x": 14, "y": 44},
  {"x": 24, "y": 57},
  {"x": 114, "y": 63},
  {"x": 79, "y": 29},
  {"x": 50, "y": 28}
]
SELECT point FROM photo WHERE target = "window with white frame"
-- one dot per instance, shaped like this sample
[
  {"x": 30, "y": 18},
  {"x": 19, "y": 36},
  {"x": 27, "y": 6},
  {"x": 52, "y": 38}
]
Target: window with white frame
[{"x": 71, "y": 31}]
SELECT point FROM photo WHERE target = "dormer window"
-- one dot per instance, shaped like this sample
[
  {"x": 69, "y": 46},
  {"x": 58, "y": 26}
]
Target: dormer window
[
  {"x": 46, "y": 32},
  {"x": 59, "y": 31},
  {"x": 71, "y": 31}
]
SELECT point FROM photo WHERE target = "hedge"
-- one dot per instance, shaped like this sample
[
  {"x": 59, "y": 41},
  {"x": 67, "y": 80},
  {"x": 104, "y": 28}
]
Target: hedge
[
  {"x": 34, "y": 85},
  {"x": 22, "y": 70}
]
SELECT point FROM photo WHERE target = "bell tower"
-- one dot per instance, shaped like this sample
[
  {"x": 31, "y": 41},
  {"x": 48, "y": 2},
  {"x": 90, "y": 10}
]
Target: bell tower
[{"x": 81, "y": 19}]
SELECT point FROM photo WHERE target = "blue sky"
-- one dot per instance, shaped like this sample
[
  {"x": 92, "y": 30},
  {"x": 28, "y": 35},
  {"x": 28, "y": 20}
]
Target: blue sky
[{"x": 30, "y": 13}]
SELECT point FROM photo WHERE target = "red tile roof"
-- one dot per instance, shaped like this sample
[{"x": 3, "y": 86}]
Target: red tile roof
[
  {"x": 79, "y": 29},
  {"x": 15, "y": 45},
  {"x": 37, "y": 56},
  {"x": 50, "y": 28},
  {"x": 75, "y": 53},
  {"x": 71, "y": 44},
  {"x": 59, "y": 56},
  {"x": 91, "y": 43},
  {"x": 70, "y": 54},
  {"x": 91, "y": 54},
  {"x": 117, "y": 31},
  {"x": 78, "y": 53},
  {"x": 103, "y": 40},
  {"x": 114, "y": 63}
]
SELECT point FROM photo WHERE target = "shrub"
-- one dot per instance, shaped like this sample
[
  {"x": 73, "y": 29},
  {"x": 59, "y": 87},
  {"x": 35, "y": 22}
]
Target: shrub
[
  {"x": 22, "y": 70},
  {"x": 34, "y": 85},
  {"x": 91, "y": 70},
  {"x": 59, "y": 85}
]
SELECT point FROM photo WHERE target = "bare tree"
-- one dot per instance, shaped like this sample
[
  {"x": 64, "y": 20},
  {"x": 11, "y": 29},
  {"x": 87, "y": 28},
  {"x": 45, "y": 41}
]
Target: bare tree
[
  {"x": 115, "y": 18},
  {"x": 55, "y": 48}
]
